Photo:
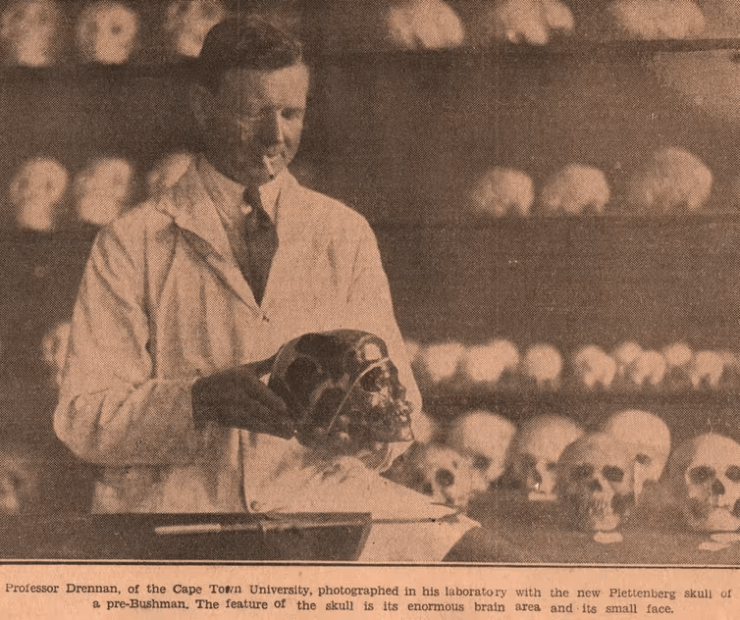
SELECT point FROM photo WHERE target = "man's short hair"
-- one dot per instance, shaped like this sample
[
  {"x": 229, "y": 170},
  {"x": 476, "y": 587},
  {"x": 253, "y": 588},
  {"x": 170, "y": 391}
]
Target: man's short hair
[{"x": 246, "y": 43}]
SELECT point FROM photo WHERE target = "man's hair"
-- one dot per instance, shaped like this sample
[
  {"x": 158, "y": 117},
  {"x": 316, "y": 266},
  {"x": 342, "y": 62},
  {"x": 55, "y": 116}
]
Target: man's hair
[{"x": 246, "y": 43}]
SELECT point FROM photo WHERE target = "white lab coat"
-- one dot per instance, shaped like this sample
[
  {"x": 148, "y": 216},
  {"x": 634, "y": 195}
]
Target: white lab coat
[{"x": 163, "y": 302}]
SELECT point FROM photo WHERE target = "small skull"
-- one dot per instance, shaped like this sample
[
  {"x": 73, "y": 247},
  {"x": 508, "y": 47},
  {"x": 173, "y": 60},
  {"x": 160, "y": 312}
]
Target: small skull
[
  {"x": 106, "y": 32},
  {"x": 624, "y": 354},
  {"x": 424, "y": 24},
  {"x": 706, "y": 369},
  {"x": 526, "y": 21},
  {"x": 166, "y": 172},
  {"x": 440, "y": 362},
  {"x": 543, "y": 363},
  {"x": 54, "y": 349},
  {"x": 648, "y": 439},
  {"x": 648, "y": 368},
  {"x": 594, "y": 482},
  {"x": 594, "y": 367},
  {"x": 704, "y": 476},
  {"x": 103, "y": 190},
  {"x": 483, "y": 438},
  {"x": 30, "y": 31},
  {"x": 535, "y": 452},
  {"x": 487, "y": 363},
  {"x": 36, "y": 191},
  {"x": 575, "y": 190},
  {"x": 188, "y": 22},
  {"x": 434, "y": 470},
  {"x": 503, "y": 191}
]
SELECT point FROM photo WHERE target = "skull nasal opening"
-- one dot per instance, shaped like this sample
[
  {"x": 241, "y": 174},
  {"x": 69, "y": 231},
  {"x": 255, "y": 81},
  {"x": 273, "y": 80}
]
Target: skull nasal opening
[
  {"x": 718, "y": 488},
  {"x": 445, "y": 478}
]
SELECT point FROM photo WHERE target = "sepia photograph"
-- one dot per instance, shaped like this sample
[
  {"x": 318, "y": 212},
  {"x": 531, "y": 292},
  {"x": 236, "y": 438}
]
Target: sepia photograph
[{"x": 416, "y": 282}]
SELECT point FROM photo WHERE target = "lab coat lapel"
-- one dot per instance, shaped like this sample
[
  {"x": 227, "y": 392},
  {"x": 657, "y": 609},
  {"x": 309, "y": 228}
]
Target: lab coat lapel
[{"x": 195, "y": 214}]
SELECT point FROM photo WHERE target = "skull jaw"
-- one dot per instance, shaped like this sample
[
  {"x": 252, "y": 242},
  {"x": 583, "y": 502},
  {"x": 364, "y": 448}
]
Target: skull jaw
[
  {"x": 703, "y": 517},
  {"x": 599, "y": 512}
]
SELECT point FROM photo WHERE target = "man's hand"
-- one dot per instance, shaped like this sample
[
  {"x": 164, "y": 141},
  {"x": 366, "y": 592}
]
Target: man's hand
[{"x": 237, "y": 398}]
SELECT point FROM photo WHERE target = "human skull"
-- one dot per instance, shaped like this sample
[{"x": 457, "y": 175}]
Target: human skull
[
  {"x": 543, "y": 363},
  {"x": 594, "y": 367},
  {"x": 483, "y": 438},
  {"x": 672, "y": 180},
  {"x": 648, "y": 368},
  {"x": 526, "y": 21},
  {"x": 656, "y": 19},
  {"x": 486, "y": 363},
  {"x": 343, "y": 391},
  {"x": 706, "y": 369},
  {"x": 188, "y": 21},
  {"x": 30, "y": 32},
  {"x": 36, "y": 191},
  {"x": 441, "y": 361},
  {"x": 503, "y": 191},
  {"x": 575, "y": 190},
  {"x": 704, "y": 476},
  {"x": 54, "y": 348},
  {"x": 624, "y": 354},
  {"x": 424, "y": 24},
  {"x": 437, "y": 471},
  {"x": 106, "y": 32},
  {"x": 648, "y": 439},
  {"x": 166, "y": 172},
  {"x": 594, "y": 482},
  {"x": 103, "y": 189},
  {"x": 536, "y": 449}
]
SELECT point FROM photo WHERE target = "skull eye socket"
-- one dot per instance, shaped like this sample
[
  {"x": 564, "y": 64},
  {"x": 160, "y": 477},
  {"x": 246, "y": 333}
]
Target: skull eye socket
[
  {"x": 733, "y": 473},
  {"x": 582, "y": 472},
  {"x": 643, "y": 459},
  {"x": 481, "y": 462},
  {"x": 613, "y": 473},
  {"x": 551, "y": 466},
  {"x": 701, "y": 474},
  {"x": 373, "y": 380},
  {"x": 444, "y": 478}
]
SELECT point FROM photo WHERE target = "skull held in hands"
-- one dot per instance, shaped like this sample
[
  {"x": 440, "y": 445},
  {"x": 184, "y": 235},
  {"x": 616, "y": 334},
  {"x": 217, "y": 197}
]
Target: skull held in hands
[
  {"x": 594, "y": 482},
  {"x": 343, "y": 391},
  {"x": 704, "y": 477}
]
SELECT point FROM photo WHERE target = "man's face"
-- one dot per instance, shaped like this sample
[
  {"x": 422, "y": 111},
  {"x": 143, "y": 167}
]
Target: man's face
[{"x": 253, "y": 123}]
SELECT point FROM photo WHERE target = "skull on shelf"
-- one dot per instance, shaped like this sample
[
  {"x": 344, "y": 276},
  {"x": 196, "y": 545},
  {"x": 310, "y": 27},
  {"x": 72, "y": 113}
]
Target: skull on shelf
[
  {"x": 484, "y": 439},
  {"x": 624, "y": 354},
  {"x": 106, "y": 32},
  {"x": 503, "y": 191},
  {"x": 656, "y": 19},
  {"x": 30, "y": 30},
  {"x": 54, "y": 349},
  {"x": 536, "y": 449},
  {"x": 648, "y": 439},
  {"x": 594, "y": 367},
  {"x": 543, "y": 363},
  {"x": 188, "y": 21},
  {"x": 36, "y": 191},
  {"x": 594, "y": 482},
  {"x": 575, "y": 190},
  {"x": 706, "y": 369},
  {"x": 441, "y": 361},
  {"x": 704, "y": 477},
  {"x": 424, "y": 24},
  {"x": 166, "y": 172},
  {"x": 487, "y": 363},
  {"x": 343, "y": 390},
  {"x": 434, "y": 470},
  {"x": 103, "y": 190},
  {"x": 648, "y": 368},
  {"x": 526, "y": 21}
]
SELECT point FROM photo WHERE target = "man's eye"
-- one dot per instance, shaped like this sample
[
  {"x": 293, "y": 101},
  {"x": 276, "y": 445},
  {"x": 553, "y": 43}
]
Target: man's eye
[{"x": 291, "y": 114}]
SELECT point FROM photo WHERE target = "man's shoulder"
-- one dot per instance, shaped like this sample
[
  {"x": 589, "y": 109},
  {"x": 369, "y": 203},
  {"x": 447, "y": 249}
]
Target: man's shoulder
[
  {"x": 135, "y": 228},
  {"x": 333, "y": 213}
]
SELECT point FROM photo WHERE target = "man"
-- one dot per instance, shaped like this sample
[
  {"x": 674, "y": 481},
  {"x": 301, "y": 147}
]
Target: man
[{"x": 176, "y": 291}]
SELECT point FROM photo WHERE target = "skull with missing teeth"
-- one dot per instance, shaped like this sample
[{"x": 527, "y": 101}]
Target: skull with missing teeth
[
  {"x": 594, "y": 482},
  {"x": 704, "y": 476},
  {"x": 483, "y": 438},
  {"x": 536, "y": 450}
]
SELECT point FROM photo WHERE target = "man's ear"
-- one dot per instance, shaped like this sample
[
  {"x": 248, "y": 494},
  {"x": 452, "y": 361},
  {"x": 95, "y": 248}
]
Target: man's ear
[{"x": 201, "y": 104}]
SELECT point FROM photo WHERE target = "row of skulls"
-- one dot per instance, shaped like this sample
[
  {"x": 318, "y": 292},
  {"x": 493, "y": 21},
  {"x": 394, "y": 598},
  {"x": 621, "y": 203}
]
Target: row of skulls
[
  {"x": 100, "y": 191},
  {"x": 598, "y": 477},
  {"x": 670, "y": 181},
  {"x": 500, "y": 365},
  {"x": 106, "y": 31}
]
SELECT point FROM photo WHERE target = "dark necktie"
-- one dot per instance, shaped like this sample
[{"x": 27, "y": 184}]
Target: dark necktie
[{"x": 262, "y": 242}]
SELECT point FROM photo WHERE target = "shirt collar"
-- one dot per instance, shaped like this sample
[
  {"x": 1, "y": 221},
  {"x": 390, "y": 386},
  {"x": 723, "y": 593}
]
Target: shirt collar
[{"x": 228, "y": 195}]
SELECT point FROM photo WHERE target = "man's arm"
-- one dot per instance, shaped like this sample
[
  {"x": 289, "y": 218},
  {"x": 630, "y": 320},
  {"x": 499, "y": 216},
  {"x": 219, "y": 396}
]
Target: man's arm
[{"x": 112, "y": 410}]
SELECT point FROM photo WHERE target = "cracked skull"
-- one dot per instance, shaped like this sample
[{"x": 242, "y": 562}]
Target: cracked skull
[
  {"x": 704, "y": 476},
  {"x": 648, "y": 439},
  {"x": 484, "y": 439},
  {"x": 343, "y": 390},
  {"x": 594, "y": 482},
  {"x": 536, "y": 449}
]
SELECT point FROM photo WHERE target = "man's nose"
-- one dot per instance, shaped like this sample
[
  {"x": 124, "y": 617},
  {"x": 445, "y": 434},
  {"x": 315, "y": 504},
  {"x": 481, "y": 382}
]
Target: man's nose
[{"x": 272, "y": 128}]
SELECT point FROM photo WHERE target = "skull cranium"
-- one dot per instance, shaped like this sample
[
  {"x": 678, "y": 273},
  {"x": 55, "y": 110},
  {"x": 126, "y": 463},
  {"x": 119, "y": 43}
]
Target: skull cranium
[
  {"x": 106, "y": 32},
  {"x": 704, "y": 477},
  {"x": 594, "y": 482},
  {"x": 35, "y": 192},
  {"x": 29, "y": 29},
  {"x": 103, "y": 189},
  {"x": 536, "y": 449}
]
